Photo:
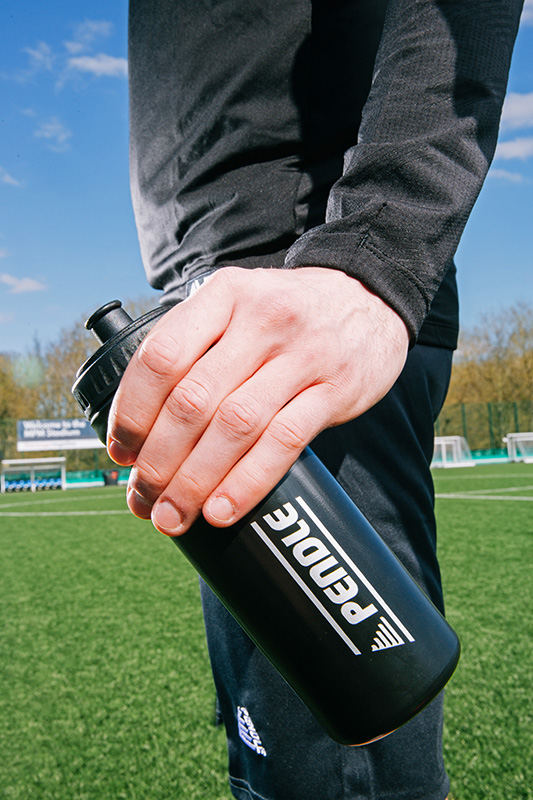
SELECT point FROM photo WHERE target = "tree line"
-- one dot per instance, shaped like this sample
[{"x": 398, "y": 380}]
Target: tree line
[
  {"x": 493, "y": 364},
  {"x": 491, "y": 388},
  {"x": 494, "y": 361},
  {"x": 37, "y": 385}
]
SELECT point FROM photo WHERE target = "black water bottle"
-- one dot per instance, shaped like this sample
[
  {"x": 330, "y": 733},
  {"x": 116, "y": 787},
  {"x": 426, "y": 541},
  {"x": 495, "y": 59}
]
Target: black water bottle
[{"x": 307, "y": 577}]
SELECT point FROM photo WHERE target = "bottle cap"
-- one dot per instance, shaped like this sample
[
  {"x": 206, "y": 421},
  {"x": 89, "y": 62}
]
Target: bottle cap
[{"x": 98, "y": 378}]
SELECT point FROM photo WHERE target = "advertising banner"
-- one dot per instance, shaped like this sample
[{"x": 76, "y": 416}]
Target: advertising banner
[{"x": 55, "y": 434}]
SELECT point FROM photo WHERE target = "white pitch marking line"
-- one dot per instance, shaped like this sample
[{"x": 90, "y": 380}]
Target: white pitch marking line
[
  {"x": 60, "y": 513},
  {"x": 478, "y": 477},
  {"x": 40, "y": 500},
  {"x": 487, "y": 494},
  {"x": 499, "y": 489},
  {"x": 51, "y": 500},
  {"x": 473, "y": 496}
]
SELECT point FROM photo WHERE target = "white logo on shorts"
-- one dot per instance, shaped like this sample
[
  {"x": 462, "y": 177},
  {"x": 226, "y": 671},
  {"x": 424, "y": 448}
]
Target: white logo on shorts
[{"x": 247, "y": 731}]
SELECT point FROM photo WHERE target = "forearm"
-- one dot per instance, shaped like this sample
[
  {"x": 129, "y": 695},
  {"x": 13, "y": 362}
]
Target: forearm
[{"x": 428, "y": 134}]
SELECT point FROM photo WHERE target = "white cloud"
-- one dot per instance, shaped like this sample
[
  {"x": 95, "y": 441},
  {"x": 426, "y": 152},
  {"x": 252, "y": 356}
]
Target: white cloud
[
  {"x": 5, "y": 177},
  {"x": 77, "y": 57},
  {"x": 41, "y": 57},
  {"x": 5, "y": 318},
  {"x": 505, "y": 175},
  {"x": 21, "y": 285},
  {"x": 86, "y": 33},
  {"x": 3, "y": 254},
  {"x": 521, "y": 148},
  {"x": 517, "y": 111},
  {"x": 100, "y": 65},
  {"x": 527, "y": 13},
  {"x": 55, "y": 134}
]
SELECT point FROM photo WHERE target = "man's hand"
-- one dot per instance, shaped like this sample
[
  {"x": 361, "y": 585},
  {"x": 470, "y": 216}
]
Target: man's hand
[{"x": 231, "y": 385}]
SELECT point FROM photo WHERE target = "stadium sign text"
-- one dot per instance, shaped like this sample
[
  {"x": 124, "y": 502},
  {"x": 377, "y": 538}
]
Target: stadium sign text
[{"x": 55, "y": 434}]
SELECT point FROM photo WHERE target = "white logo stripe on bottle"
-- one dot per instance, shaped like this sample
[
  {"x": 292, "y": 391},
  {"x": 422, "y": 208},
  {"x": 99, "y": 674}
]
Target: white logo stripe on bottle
[
  {"x": 303, "y": 586},
  {"x": 353, "y": 566},
  {"x": 386, "y": 636}
]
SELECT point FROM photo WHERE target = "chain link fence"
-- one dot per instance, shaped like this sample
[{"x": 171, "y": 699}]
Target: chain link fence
[{"x": 484, "y": 425}]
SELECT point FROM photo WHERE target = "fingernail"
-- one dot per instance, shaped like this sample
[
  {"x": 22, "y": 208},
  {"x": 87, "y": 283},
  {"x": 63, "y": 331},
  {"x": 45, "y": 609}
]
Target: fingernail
[
  {"x": 167, "y": 518},
  {"x": 137, "y": 504},
  {"x": 134, "y": 485},
  {"x": 120, "y": 453},
  {"x": 221, "y": 509}
]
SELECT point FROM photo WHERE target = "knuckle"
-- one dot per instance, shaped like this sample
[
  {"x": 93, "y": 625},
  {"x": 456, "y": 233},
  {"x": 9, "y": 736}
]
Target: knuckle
[
  {"x": 159, "y": 353},
  {"x": 189, "y": 402},
  {"x": 227, "y": 276},
  {"x": 278, "y": 311},
  {"x": 224, "y": 282},
  {"x": 337, "y": 389},
  {"x": 126, "y": 428},
  {"x": 239, "y": 417},
  {"x": 252, "y": 478},
  {"x": 148, "y": 478},
  {"x": 192, "y": 487},
  {"x": 288, "y": 436}
]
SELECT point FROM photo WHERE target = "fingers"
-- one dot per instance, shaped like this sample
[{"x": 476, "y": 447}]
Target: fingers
[
  {"x": 218, "y": 411},
  {"x": 248, "y": 416},
  {"x": 232, "y": 384},
  {"x": 174, "y": 371},
  {"x": 258, "y": 472},
  {"x": 254, "y": 475},
  {"x": 165, "y": 356},
  {"x": 214, "y": 409}
]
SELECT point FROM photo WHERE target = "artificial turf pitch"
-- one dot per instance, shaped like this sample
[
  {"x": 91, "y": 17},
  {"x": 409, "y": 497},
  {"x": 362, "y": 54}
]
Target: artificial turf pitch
[{"x": 105, "y": 688}]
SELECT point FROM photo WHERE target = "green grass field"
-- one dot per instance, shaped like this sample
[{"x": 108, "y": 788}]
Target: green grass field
[{"x": 105, "y": 685}]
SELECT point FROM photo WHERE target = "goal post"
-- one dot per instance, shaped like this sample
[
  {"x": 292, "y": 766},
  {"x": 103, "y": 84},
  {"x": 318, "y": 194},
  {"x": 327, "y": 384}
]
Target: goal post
[
  {"x": 452, "y": 451},
  {"x": 520, "y": 446}
]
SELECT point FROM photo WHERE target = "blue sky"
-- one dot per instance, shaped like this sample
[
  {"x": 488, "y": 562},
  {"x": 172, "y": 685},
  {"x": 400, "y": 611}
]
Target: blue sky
[{"x": 67, "y": 234}]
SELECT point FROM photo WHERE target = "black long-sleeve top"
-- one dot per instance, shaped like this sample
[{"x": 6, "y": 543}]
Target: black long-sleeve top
[{"x": 350, "y": 134}]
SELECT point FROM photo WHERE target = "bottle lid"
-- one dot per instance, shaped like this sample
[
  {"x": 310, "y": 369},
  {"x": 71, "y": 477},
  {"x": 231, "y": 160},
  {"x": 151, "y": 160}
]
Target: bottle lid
[{"x": 98, "y": 378}]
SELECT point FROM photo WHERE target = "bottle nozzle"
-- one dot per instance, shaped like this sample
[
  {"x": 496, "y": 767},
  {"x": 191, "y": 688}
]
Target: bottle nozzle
[{"x": 108, "y": 320}]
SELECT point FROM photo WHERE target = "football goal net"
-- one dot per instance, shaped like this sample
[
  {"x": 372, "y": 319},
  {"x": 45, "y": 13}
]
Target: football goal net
[
  {"x": 520, "y": 447},
  {"x": 452, "y": 451}
]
